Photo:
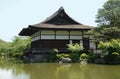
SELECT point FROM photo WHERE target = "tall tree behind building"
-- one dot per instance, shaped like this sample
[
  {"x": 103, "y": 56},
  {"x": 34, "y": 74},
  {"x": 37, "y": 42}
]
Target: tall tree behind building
[
  {"x": 108, "y": 19},
  {"x": 109, "y": 15}
]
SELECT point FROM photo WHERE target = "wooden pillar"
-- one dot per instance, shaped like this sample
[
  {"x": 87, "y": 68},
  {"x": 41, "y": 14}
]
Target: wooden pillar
[
  {"x": 69, "y": 34},
  {"x": 82, "y": 34},
  {"x": 82, "y": 37},
  {"x": 55, "y": 35},
  {"x": 40, "y": 34},
  {"x": 70, "y": 41},
  {"x": 40, "y": 39}
]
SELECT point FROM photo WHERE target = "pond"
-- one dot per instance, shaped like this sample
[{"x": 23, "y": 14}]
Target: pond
[{"x": 58, "y": 71}]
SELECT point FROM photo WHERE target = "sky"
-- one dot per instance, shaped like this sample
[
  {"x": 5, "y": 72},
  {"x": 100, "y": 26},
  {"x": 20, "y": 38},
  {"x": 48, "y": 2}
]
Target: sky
[{"x": 18, "y": 14}]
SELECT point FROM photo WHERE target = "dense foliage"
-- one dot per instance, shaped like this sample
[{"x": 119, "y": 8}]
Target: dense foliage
[
  {"x": 108, "y": 19},
  {"x": 110, "y": 14},
  {"x": 110, "y": 46},
  {"x": 76, "y": 51},
  {"x": 53, "y": 55},
  {"x": 63, "y": 55},
  {"x": 14, "y": 48},
  {"x": 83, "y": 56},
  {"x": 2, "y": 42},
  {"x": 75, "y": 48},
  {"x": 111, "y": 50},
  {"x": 107, "y": 33}
]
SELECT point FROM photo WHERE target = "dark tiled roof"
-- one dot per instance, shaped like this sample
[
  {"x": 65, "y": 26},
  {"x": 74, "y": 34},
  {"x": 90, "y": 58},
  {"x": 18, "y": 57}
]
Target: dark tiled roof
[
  {"x": 53, "y": 26},
  {"x": 59, "y": 20}
]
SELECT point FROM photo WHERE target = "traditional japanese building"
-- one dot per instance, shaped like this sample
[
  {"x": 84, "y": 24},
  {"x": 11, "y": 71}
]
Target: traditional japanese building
[{"x": 57, "y": 31}]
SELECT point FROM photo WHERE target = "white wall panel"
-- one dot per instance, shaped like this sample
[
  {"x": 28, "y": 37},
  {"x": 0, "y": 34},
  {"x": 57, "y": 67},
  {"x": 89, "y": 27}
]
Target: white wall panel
[
  {"x": 47, "y": 37},
  {"x": 85, "y": 35},
  {"x": 48, "y": 32},
  {"x": 75, "y": 37},
  {"x": 92, "y": 46},
  {"x": 75, "y": 33},
  {"x": 62, "y": 37},
  {"x": 62, "y": 32}
]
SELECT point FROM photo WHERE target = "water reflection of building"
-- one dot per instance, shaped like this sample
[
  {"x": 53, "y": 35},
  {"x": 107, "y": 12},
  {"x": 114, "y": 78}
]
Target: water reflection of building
[{"x": 55, "y": 32}]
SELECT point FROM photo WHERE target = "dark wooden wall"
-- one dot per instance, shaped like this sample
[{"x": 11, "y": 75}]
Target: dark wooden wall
[
  {"x": 86, "y": 43},
  {"x": 59, "y": 44},
  {"x": 48, "y": 44}
]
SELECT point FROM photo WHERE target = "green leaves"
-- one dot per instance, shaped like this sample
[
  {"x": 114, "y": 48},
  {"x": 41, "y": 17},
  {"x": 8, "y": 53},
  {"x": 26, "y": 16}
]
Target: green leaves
[
  {"x": 19, "y": 44},
  {"x": 109, "y": 14},
  {"x": 16, "y": 47},
  {"x": 54, "y": 53},
  {"x": 107, "y": 33},
  {"x": 75, "y": 47},
  {"x": 110, "y": 46},
  {"x": 60, "y": 56}
]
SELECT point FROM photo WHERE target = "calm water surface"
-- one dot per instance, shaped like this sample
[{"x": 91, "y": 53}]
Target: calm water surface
[{"x": 58, "y": 71}]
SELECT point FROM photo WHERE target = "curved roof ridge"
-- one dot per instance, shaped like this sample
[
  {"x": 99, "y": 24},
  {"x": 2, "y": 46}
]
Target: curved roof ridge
[{"x": 60, "y": 17}]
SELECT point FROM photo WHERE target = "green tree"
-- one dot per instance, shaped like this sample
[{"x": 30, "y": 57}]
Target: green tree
[
  {"x": 2, "y": 42},
  {"x": 3, "y": 47},
  {"x": 108, "y": 33},
  {"x": 109, "y": 15},
  {"x": 111, "y": 50},
  {"x": 14, "y": 48},
  {"x": 108, "y": 19},
  {"x": 18, "y": 45},
  {"x": 75, "y": 49},
  {"x": 110, "y": 46},
  {"x": 53, "y": 55}
]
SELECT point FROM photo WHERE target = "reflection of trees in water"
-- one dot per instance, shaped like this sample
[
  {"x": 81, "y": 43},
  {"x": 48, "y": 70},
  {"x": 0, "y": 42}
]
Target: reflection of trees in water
[
  {"x": 70, "y": 71},
  {"x": 6, "y": 64},
  {"x": 92, "y": 71},
  {"x": 45, "y": 70},
  {"x": 61, "y": 71},
  {"x": 53, "y": 71},
  {"x": 16, "y": 70},
  {"x": 41, "y": 71},
  {"x": 89, "y": 71}
]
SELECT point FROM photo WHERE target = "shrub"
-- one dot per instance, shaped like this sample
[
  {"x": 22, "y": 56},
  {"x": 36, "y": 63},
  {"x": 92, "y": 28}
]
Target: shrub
[
  {"x": 60, "y": 56},
  {"x": 75, "y": 49},
  {"x": 110, "y": 46},
  {"x": 93, "y": 56},
  {"x": 83, "y": 56},
  {"x": 53, "y": 55},
  {"x": 113, "y": 49}
]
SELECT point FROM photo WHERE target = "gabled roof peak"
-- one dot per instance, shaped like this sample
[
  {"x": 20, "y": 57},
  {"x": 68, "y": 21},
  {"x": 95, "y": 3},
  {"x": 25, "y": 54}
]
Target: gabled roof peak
[
  {"x": 61, "y": 8},
  {"x": 60, "y": 17}
]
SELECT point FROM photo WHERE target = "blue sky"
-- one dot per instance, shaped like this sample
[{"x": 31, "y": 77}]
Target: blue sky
[{"x": 18, "y": 14}]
